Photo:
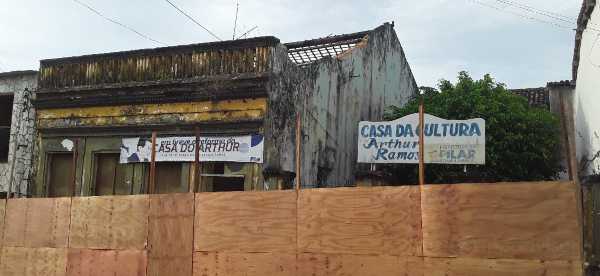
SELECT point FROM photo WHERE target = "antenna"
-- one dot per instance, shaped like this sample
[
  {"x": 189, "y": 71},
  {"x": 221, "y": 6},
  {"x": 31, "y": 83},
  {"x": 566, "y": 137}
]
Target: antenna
[{"x": 237, "y": 8}]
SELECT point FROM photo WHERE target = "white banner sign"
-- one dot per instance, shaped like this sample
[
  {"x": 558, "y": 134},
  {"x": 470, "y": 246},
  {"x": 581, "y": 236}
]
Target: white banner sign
[
  {"x": 247, "y": 148},
  {"x": 446, "y": 141}
]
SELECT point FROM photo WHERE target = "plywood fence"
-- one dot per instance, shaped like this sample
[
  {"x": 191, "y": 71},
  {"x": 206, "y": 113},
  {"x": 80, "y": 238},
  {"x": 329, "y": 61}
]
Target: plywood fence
[{"x": 465, "y": 229}]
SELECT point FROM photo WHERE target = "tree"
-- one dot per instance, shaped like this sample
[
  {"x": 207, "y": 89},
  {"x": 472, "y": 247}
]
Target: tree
[{"x": 522, "y": 142}]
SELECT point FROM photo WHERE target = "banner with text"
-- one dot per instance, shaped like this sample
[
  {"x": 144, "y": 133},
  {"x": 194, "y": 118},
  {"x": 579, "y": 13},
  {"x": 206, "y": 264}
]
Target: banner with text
[
  {"x": 446, "y": 141},
  {"x": 247, "y": 148}
]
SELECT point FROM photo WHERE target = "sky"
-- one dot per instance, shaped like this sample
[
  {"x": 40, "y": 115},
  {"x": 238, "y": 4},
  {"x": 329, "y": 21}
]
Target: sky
[{"x": 439, "y": 37}]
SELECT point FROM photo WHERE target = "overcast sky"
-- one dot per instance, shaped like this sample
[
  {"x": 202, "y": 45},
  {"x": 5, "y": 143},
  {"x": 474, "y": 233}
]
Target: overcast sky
[{"x": 440, "y": 37}]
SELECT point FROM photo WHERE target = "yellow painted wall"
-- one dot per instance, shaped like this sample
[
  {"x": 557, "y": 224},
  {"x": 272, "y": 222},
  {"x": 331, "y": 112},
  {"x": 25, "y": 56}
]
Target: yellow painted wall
[{"x": 225, "y": 110}]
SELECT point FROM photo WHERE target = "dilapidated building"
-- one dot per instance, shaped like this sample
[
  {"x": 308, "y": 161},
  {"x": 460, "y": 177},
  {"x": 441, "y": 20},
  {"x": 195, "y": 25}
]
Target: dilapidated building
[
  {"x": 17, "y": 130},
  {"x": 87, "y": 105}
]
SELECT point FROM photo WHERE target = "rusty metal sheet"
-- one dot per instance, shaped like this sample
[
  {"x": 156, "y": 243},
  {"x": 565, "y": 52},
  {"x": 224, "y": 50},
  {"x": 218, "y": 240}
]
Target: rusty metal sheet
[
  {"x": 22, "y": 261},
  {"x": 171, "y": 234},
  {"x": 245, "y": 222},
  {"x": 37, "y": 222},
  {"x": 244, "y": 264},
  {"x": 90, "y": 262},
  {"x": 109, "y": 222}
]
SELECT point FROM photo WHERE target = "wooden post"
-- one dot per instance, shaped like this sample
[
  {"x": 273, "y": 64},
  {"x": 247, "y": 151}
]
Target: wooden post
[
  {"x": 298, "y": 141},
  {"x": 74, "y": 168},
  {"x": 152, "y": 186},
  {"x": 196, "y": 162},
  {"x": 421, "y": 143}
]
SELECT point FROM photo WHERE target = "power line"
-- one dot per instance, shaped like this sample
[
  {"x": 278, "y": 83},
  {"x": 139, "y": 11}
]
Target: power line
[
  {"x": 193, "y": 20},
  {"x": 118, "y": 23},
  {"x": 246, "y": 33},
  {"x": 554, "y": 15},
  {"x": 522, "y": 15}
]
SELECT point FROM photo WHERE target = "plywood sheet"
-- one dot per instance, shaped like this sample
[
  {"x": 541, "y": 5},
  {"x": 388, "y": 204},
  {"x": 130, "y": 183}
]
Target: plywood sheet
[
  {"x": 21, "y": 261},
  {"x": 246, "y": 222},
  {"x": 244, "y": 264},
  {"x": 110, "y": 222},
  {"x": 359, "y": 265},
  {"x": 89, "y": 262},
  {"x": 383, "y": 220},
  {"x": 2, "y": 213},
  {"x": 499, "y": 267},
  {"x": 171, "y": 234},
  {"x": 37, "y": 222},
  {"x": 504, "y": 220}
]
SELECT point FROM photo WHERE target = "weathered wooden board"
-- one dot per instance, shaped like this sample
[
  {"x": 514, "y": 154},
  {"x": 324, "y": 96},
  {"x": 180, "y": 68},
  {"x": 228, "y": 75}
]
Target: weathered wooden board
[
  {"x": 37, "y": 222},
  {"x": 244, "y": 264},
  {"x": 89, "y": 262},
  {"x": 22, "y": 261},
  {"x": 245, "y": 222},
  {"x": 359, "y": 265},
  {"x": 513, "y": 221},
  {"x": 381, "y": 220},
  {"x": 2, "y": 214},
  {"x": 171, "y": 234},
  {"x": 499, "y": 267},
  {"x": 109, "y": 222}
]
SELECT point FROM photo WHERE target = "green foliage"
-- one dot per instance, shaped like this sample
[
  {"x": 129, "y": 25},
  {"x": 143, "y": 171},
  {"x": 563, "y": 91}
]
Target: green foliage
[{"x": 522, "y": 142}]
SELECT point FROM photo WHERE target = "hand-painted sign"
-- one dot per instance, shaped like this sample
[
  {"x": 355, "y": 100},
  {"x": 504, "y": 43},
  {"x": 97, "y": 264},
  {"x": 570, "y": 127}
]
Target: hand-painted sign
[
  {"x": 446, "y": 141},
  {"x": 247, "y": 148}
]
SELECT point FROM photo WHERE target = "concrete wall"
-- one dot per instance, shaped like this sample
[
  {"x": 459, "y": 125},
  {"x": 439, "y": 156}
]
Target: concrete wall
[
  {"x": 21, "y": 146},
  {"x": 587, "y": 99},
  {"x": 332, "y": 96}
]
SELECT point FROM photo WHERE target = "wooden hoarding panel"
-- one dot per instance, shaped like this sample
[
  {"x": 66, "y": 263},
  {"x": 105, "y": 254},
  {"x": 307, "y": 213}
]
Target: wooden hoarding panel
[
  {"x": 360, "y": 265},
  {"x": 38, "y": 222},
  {"x": 499, "y": 267},
  {"x": 22, "y": 261},
  {"x": 109, "y": 222},
  {"x": 244, "y": 264},
  {"x": 89, "y": 262},
  {"x": 246, "y": 222},
  {"x": 2, "y": 214},
  {"x": 504, "y": 220},
  {"x": 382, "y": 220},
  {"x": 171, "y": 234}
]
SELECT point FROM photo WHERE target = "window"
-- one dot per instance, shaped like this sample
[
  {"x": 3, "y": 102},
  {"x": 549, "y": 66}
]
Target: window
[
  {"x": 59, "y": 176},
  {"x": 6, "y": 105},
  {"x": 172, "y": 177},
  {"x": 111, "y": 178},
  {"x": 223, "y": 177}
]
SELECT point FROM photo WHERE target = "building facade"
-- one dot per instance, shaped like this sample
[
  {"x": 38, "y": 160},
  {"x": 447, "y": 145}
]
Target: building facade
[
  {"x": 586, "y": 73},
  {"x": 17, "y": 130},
  {"x": 87, "y": 105}
]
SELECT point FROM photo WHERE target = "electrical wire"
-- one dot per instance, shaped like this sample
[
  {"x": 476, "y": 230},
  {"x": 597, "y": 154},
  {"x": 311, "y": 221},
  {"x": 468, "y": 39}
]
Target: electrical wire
[
  {"x": 118, "y": 23},
  {"x": 193, "y": 20},
  {"x": 522, "y": 15}
]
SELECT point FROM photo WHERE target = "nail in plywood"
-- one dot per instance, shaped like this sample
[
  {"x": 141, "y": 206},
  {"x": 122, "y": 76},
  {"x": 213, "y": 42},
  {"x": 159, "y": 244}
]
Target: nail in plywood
[
  {"x": 22, "y": 261},
  {"x": 244, "y": 264},
  {"x": 360, "y": 221},
  {"x": 171, "y": 234},
  {"x": 363, "y": 265},
  {"x": 499, "y": 267},
  {"x": 246, "y": 221},
  {"x": 109, "y": 222},
  {"x": 513, "y": 221},
  {"x": 89, "y": 262},
  {"x": 37, "y": 222}
]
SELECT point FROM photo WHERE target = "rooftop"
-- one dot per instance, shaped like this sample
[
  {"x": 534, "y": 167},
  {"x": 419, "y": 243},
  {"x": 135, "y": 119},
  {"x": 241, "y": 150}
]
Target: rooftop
[{"x": 308, "y": 51}]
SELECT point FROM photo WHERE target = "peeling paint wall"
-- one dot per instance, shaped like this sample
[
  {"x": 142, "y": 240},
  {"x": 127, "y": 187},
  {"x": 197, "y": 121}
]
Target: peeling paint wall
[
  {"x": 333, "y": 95},
  {"x": 19, "y": 168}
]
